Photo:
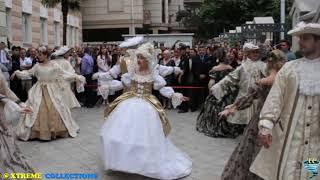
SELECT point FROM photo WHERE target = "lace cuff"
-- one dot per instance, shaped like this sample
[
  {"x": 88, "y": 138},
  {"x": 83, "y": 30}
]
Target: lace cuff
[
  {"x": 266, "y": 124},
  {"x": 104, "y": 91},
  {"x": 11, "y": 111},
  {"x": 102, "y": 76},
  {"x": 23, "y": 74},
  {"x": 265, "y": 131},
  {"x": 217, "y": 91},
  {"x": 80, "y": 84},
  {"x": 265, "y": 127},
  {"x": 177, "y": 70},
  {"x": 176, "y": 99}
]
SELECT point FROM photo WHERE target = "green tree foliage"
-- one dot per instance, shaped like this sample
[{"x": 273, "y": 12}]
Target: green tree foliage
[{"x": 215, "y": 16}]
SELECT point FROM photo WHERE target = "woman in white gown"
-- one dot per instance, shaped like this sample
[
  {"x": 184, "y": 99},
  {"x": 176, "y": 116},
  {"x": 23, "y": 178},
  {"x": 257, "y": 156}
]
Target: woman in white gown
[
  {"x": 51, "y": 117},
  {"x": 134, "y": 135}
]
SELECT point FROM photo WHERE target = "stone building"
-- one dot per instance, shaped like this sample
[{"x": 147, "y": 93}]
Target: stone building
[
  {"x": 31, "y": 24},
  {"x": 108, "y": 20},
  {"x": 3, "y": 26}
]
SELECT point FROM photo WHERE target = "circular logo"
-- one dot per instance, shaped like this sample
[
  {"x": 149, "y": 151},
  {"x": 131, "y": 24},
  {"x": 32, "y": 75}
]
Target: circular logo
[{"x": 5, "y": 176}]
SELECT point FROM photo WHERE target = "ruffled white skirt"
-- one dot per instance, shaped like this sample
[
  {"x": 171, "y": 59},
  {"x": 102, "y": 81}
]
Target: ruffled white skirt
[{"x": 133, "y": 141}]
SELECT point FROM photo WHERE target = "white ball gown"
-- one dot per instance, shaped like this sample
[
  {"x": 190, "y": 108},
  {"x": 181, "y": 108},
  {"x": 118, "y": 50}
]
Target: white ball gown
[{"x": 133, "y": 135}]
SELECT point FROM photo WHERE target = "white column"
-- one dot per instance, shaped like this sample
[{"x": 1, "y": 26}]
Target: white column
[
  {"x": 132, "y": 27},
  {"x": 166, "y": 10},
  {"x": 3, "y": 24},
  {"x": 132, "y": 30},
  {"x": 155, "y": 31},
  {"x": 283, "y": 15}
]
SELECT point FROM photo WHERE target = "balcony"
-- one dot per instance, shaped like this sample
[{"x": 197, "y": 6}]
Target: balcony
[{"x": 193, "y": 1}]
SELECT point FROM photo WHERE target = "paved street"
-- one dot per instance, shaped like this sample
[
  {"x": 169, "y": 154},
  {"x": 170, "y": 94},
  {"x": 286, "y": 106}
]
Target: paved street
[{"x": 82, "y": 154}]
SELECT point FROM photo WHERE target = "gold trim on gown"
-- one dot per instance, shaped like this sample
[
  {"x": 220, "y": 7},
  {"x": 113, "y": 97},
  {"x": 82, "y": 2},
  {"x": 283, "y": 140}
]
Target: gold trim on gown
[{"x": 135, "y": 91}]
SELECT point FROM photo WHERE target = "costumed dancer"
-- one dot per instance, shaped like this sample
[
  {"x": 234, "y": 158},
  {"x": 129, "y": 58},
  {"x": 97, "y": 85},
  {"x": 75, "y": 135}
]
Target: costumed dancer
[
  {"x": 52, "y": 117},
  {"x": 107, "y": 79},
  {"x": 208, "y": 121},
  {"x": 244, "y": 154},
  {"x": 244, "y": 76},
  {"x": 11, "y": 158},
  {"x": 134, "y": 135},
  {"x": 289, "y": 120},
  {"x": 61, "y": 58}
]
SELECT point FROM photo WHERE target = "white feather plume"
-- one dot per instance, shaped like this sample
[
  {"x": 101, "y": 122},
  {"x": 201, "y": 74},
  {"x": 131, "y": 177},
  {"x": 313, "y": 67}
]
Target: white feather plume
[{"x": 132, "y": 42}]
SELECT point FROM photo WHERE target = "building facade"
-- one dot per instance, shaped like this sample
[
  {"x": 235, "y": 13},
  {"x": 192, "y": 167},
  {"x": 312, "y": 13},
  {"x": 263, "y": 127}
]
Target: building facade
[
  {"x": 30, "y": 24},
  {"x": 3, "y": 25},
  {"x": 108, "y": 20}
]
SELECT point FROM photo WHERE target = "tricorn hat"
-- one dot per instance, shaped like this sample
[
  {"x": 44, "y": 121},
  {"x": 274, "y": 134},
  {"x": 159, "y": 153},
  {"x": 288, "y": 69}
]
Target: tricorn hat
[{"x": 305, "y": 28}]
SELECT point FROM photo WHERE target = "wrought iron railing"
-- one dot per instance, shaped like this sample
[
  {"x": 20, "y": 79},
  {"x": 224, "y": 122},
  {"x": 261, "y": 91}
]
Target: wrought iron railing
[{"x": 257, "y": 31}]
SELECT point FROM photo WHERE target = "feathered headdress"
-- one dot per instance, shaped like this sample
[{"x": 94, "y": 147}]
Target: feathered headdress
[{"x": 131, "y": 42}]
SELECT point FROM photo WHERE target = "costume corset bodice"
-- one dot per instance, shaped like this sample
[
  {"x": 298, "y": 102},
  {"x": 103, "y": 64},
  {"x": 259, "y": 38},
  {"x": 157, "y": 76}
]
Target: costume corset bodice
[
  {"x": 144, "y": 88},
  {"x": 47, "y": 74}
]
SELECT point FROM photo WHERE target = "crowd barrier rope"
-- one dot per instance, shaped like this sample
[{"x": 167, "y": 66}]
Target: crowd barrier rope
[{"x": 94, "y": 86}]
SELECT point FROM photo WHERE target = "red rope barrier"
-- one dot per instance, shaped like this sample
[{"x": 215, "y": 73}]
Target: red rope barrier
[
  {"x": 175, "y": 87},
  {"x": 187, "y": 87},
  {"x": 91, "y": 85}
]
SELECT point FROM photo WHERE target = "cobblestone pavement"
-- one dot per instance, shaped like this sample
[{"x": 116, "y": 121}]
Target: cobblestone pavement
[{"x": 82, "y": 154}]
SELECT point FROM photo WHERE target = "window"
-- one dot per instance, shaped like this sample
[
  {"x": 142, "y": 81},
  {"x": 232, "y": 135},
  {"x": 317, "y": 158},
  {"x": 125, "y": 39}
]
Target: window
[
  {"x": 115, "y": 6},
  {"x": 75, "y": 36},
  {"x": 69, "y": 35},
  {"x": 43, "y": 31},
  {"x": 72, "y": 35},
  {"x": 27, "y": 6},
  {"x": 26, "y": 28},
  {"x": 163, "y": 5},
  {"x": 57, "y": 33},
  {"x": 8, "y": 22}
]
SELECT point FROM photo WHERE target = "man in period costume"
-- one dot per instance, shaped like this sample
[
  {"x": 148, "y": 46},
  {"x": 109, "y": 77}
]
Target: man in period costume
[
  {"x": 289, "y": 121},
  {"x": 243, "y": 77}
]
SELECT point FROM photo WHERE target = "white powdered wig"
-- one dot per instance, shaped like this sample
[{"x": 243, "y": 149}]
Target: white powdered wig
[{"x": 148, "y": 52}]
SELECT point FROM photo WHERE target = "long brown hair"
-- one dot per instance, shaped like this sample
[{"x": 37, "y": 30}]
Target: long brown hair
[
  {"x": 109, "y": 60},
  {"x": 220, "y": 54},
  {"x": 276, "y": 60}
]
